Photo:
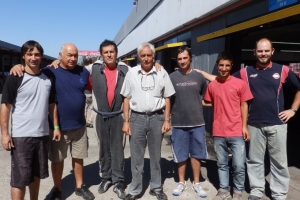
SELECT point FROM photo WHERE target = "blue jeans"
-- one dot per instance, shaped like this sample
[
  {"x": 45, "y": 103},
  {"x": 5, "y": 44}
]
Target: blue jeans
[
  {"x": 237, "y": 146},
  {"x": 145, "y": 129},
  {"x": 274, "y": 137}
]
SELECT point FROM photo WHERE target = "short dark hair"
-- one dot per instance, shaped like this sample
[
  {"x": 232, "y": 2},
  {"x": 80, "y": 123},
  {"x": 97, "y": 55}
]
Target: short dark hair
[
  {"x": 182, "y": 49},
  {"x": 88, "y": 61},
  {"x": 224, "y": 56},
  {"x": 29, "y": 46},
  {"x": 107, "y": 43},
  {"x": 263, "y": 39}
]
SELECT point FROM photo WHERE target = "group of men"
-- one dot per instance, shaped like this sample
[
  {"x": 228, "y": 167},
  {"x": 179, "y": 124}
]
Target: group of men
[{"x": 140, "y": 102}]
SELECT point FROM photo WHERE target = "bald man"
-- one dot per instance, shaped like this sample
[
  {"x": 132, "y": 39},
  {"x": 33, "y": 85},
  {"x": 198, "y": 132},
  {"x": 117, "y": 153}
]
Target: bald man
[{"x": 70, "y": 82}]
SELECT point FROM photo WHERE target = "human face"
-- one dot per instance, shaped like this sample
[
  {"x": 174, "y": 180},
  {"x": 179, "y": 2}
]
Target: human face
[
  {"x": 33, "y": 58},
  {"x": 146, "y": 58},
  {"x": 224, "y": 68},
  {"x": 109, "y": 55},
  {"x": 263, "y": 52},
  {"x": 184, "y": 61},
  {"x": 69, "y": 56}
]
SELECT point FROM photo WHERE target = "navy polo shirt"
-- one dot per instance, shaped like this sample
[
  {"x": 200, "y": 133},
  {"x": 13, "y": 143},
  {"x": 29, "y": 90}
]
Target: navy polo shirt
[{"x": 69, "y": 87}]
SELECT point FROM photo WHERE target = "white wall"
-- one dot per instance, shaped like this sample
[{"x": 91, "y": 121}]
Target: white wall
[{"x": 168, "y": 15}]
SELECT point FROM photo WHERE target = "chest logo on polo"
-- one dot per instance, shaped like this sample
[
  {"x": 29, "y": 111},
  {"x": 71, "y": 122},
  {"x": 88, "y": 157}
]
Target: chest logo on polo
[
  {"x": 187, "y": 83},
  {"x": 276, "y": 76},
  {"x": 81, "y": 80},
  {"x": 253, "y": 75}
]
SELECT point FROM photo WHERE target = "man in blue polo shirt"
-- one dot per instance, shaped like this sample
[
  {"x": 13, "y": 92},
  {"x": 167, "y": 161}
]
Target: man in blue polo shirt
[{"x": 267, "y": 120}]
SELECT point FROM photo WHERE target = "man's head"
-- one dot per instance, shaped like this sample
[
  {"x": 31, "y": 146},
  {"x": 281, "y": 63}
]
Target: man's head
[
  {"x": 224, "y": 64},
  {"x": 263, "y": 51},
  {"x": 32, "y": 53},
  {"x": 146, "y": 54},
  {"x": 109, "y": 51},
  {"x": 88, "y": 61},
  {"x": 68, "y": 56},
  {"x": 184, "y": 57}
]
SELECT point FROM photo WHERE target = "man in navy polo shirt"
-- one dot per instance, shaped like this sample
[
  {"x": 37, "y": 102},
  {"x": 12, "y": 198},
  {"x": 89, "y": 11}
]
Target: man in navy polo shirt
[{"x": 267, "y": 119}]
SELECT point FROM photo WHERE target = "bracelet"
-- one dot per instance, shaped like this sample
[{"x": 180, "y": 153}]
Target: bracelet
[
  {"x": 167, "y": 119},
  {"x": 294, "y": 110},
  {"x": 126, "y": 120},
  {"x": 56, "y": 127}
]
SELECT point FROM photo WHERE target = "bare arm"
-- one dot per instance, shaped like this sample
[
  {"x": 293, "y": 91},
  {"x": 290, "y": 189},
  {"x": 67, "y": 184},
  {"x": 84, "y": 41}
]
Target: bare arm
[
  {"x": 126, "y": 122},
  {"x": 54, "y": 64},
  {"x": 7, "y": 142},
  {"x": 54, "y": 117},
  {"x": 206, "y": 103},
  {"x": 207, "y": 76},
  {"x": 288, "y": 114},
  {"x": 244, "y": 111},
  {"x": 166, "y": 125},
  {"x": 17, "y": 70}
]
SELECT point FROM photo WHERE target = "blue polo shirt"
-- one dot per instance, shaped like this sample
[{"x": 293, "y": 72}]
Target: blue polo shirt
[
  {"x": 69, "y": 87},
  {"x": 266, "y": 88}
]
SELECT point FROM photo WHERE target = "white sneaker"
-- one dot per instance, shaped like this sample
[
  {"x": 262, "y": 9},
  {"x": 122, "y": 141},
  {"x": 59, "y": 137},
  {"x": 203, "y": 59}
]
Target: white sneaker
[
  {"x": 199, "y": 190},
  {"x": 179, "y": 189}
]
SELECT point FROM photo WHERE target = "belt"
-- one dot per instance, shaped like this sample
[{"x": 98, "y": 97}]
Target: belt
[
  {"x": 149, "y": 113},
  {"x": 108, "y": 114}
]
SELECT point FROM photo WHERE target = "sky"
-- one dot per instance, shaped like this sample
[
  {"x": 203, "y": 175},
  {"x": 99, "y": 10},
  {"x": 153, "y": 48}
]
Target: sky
[{"x": 55, "y": 22}]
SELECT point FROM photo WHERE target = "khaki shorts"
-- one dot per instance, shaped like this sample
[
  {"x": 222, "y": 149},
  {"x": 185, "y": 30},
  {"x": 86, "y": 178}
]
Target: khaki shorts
[{"x": 78, "y": 141}]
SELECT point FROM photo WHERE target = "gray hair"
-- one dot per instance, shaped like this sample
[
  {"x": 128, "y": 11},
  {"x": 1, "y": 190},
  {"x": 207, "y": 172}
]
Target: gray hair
[
  {"x": 62, "y": 49},
  {"x": 145, "y": 45}
]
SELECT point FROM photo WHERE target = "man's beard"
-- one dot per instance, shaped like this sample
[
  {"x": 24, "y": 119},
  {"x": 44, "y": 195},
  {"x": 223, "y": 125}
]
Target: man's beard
[{"x": 264, "y": 62}]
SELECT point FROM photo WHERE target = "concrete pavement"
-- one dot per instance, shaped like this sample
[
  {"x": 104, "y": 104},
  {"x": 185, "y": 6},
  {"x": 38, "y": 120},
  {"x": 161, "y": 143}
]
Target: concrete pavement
[{"x": 209, "y": 176}]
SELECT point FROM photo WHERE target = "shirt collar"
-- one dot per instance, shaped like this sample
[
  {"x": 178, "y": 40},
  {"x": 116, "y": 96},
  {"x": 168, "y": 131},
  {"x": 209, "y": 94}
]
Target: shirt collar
[
  {"x": 152, "y": 71},
  {"x": 267, "y": 67}
]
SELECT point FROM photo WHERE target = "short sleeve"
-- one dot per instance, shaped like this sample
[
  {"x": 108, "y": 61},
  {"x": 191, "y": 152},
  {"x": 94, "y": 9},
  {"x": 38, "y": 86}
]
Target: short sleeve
[
  {"x": 245, "y": 93},
  {"x": 50, "y": 75},
  {"x": 169, "y": 89},
  {"x": 203, "y": 85},
  {"x": 292, "y": 80},
  {"x": 10, "y": 89},
  {"x": 208, "y": 95},
  {"x": 126, "y": 90}
]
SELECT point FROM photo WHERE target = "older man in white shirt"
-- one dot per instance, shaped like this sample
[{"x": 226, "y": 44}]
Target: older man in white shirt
[{"x": 147, "y": 93}]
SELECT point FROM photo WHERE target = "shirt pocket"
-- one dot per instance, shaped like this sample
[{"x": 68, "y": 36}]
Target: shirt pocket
[{"x": 158, "y": 89}]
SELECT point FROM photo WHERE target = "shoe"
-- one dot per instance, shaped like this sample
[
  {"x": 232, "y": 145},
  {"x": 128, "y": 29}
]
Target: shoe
[
  {"x": 84, "y": 192},
  {"x": 160, "y": 195},
  {"x": 119, "y": 190},
  {"x": 56, "y": 194},
  {"x": 104, "y": 185},
  {"x": 223, "y": 195},
  {"x": 237, "y": 195},
  {"x": 199, "y": 190},
  {"x": 179, "y": 189},
  {"x": 130, "y": 197},
  {"x": 253, "y": 197}
]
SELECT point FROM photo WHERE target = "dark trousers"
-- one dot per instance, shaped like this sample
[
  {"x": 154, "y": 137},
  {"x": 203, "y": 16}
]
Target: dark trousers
[{"x": 111, "y": 154}]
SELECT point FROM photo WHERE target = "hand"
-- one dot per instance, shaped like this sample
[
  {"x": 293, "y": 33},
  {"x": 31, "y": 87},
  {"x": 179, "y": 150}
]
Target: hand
[
  {"x": 17, "y": 70},
  {"x": 7, "y": 142},
  {"x": 286, "y": 115},
  {"x": 246, "y": 134},
  {"x": 126, "y": 128},
  {"x": 54, "y": 64},
  {"x": 165, "y": 127},
  {"x": 56, "y": 135},
  {"x": 158, "y": 67}
]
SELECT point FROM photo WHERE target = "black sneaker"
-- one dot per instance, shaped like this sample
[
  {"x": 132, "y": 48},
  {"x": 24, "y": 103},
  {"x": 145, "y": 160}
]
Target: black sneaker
[
  {"x": 104, "y": 185},
  {"x": 84, "y": 192},
  {"x": 130, "y": 197},
  {"x": 56, "y": 194},
  {"x": 160, "y": 195},
  {"x": 119, "y": 190}
]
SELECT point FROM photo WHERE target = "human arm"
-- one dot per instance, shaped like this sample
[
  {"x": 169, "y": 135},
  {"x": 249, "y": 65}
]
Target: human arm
[
  {"x": 244, "y": 112},
  {"x": 54, "y": 117},
  {"x": 287, "y": 114},
  {"x": 54, "y": 64},
  {"x": 126, "y": 121},
  {"x": 158, "y": 67},
  {"x": 207, "y": 76},
  {"x": 17, "y": 70},
  {"x": 166, "y": 125},
  {"x": 206, "y": 103},
  {"x": 6, "y": 140}
]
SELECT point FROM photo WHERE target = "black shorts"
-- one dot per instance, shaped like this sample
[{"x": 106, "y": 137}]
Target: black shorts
[{"x": 29, "y": 158}]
